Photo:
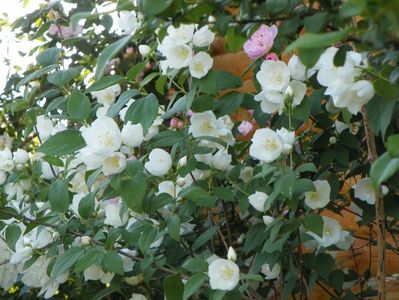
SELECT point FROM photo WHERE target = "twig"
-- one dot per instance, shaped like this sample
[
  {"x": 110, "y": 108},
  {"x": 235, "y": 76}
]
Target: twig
[
  {"x": 379, "y": 213},
  {"x": 226, "y": 216}
]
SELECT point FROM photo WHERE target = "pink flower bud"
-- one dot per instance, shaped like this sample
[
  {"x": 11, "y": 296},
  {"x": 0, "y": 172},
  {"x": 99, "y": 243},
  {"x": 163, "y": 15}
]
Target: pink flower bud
[
  {"x": 129, "y": 50},
  {"x": 173, "y": 123},
  {"x": 180, "y": 124},
  {"x": 190, "y": 113},
  {"x": 245, "y": 128},
  {"x": 261, "y": 41},
  {"x": 251, "y": 112},
  {"x": 272, "y": 56}
]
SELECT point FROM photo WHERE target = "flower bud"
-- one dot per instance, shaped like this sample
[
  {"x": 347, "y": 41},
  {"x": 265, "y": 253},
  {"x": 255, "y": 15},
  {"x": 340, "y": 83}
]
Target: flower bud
[
  {"x": 144, "y": 50},
  {"x": 86, "y": 240},
  {"x": 333, "y": 140},
  {"x": 231, "y": 254}
]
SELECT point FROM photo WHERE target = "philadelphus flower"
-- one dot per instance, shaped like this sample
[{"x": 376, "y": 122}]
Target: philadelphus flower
[
  {"x": 261, "y": 41},
  {"x": 288, "y": 138},
  {"x": 273, "y": 75},
  {"x": 320, "y": 197},
  {"x": 223, "y": 274},
  {"x": 103, "y": 136},
  {"x": 200, "y": 64},
  {"x": 95, "y": 272},
  {"x": 266, "y": 145},
  {"x": 144, "y": 50},
  {"x": 113, "y": 216},
  {"x": 258, "y": 200},
  {"x": 108, "y": 95},
  {"x": 138, "y": 297},
  {"x": 331, "y": 233},
  {"x": 267, "y": 219},
  {"x": 159, "y": 162},
  {"x": 168, "y": 187},
  {"x": 132, "y": 134},
  {"x": 365, "y": 190},
  {"x": 128, "y": 22},
  {"x": 115, "y": 163},
  {"x": 203, "y": 37},
  {"x": 273, "y": 273},
  {"x": 44, "y": 127},
  {"x": 20, "y": 156},
  {"x": 182, "y": 34},
  {"x": 203, "y": 124},
  {"x": 177, "y": 55},
  {"x": 221, "y": 160},
  {"x": 231, "y": 254}
]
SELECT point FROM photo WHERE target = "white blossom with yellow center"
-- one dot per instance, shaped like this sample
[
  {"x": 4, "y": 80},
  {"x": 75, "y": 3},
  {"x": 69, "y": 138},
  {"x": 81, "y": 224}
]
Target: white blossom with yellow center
[
  {"x": 223, "y": 274},
  {"x": 320, "y": 197},
  {"x": 266, "y": 145},
  {"x": 365, "y": 191},
  {"x": 200, "y": 64},
  {"x": 331, "y": 233}
]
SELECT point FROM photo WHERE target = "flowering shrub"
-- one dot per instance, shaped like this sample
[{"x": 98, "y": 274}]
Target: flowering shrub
[{"x": 125, "y": 174}]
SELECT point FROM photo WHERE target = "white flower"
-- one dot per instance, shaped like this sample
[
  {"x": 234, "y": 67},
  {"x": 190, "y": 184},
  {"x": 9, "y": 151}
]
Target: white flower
[
  {"x": 168, "y": 187},
  {"x": 138, "y": 297},
  {"x": 223, "y": 275},
  {"x": 355, "y": 96},
  {"x": 365, "y": 191},
  {"x": 246, "y": 174},
  {"x": 96, "y": 273},
  {"x": 231, "y": 254},
  {"x": 320, "y": 197},
  {"x": 20, "y": 156},
  {"x": 266, "y": 145},
  {"x": 270, "y": 101},
  {"x": 44, "y": 127},
  {"x": 6, "y": 162},
  {"x": 200, "y": 64},
  {"x": 203, "y": 124},
  {"x": 288, "y": 138},
  {"x": 108, "y": 95},
  {"x": 86, "y": 240},
  {"x": 273, "y": 273},
  {"x": 177, "y": 55},
  {"x": 115, "y": 163},
  {"x": 182, "y": 34},
  {"x": 346, "y": 240},
  {"x": 258, "y": 200},
  {"x": 128, "y": 22},
  {"x": 297, "y": 90},
  {"x": 267, "y": 219},
  {"x": 91, "y": 160},
  {"x": 297, "y": 69},
  {"x": 113, "y": 216},
  {"x": 74, "y": 206},
  {"x": 203, "y": 37},
  {"x": 3, "y": 177},
  {"x": 331, "y": 233},
  {"x": 273, "y": 76},
  {"x": 221, "y": 160},
  {"x": 103, "y": 136},
  {"x": 159, "y": 162},
  {"x": 47, "y": 170},
  {"x": 144, "y": 50},
  {"x": 132, "y": 134}
]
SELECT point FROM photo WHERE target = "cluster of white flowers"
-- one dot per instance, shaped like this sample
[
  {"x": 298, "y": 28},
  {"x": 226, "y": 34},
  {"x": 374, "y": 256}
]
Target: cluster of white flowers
[
  {"x": 342, "y": 82},
  {"x": 279, "y": 87},
  {"x": 178, "y": 45}
]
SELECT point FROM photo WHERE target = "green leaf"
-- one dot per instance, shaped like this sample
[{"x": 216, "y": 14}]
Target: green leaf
[
  {"x": 306, "y": 167},
  {"x": 393, "y": 145},
  {"x": 173, "y": 287},
  {"x": 61, "y": 78},
  {"x": 303, "y": 185},
  {"x": 108, "y": 53},
  {"x": 143, "y": 111},
  {"x": 113, "y": 263},
  {"x": 166, "y": 138},
  {"x": 178, "y": 106},
  {"x": 77, "y": 17},
  {"x": 226, "y": 80},
  {"x": 49, "y": 56},
  {"x": 383, "y": 168},
  {"x": 202, "y": 103},
  {"x": 78, "y": 106},
  {"x": 160, "y": 84},
  {"x": 193, "y": 284},
  {"x": 13, "y": 232},
  {"x": 386, "y": 89},
  {"x": 204, "y": 237},
  {"x": 66, "y": 260},
  {"x": 86, "y": 206},
  {"x": 316, "y": 22},
  {"x": 309, "y": 57},
  {"x": 147, "y": 238},
  {"x": 89, "y": 258},
  {"x": 135, "y": 70},
  {"x": 314, "y": 223},
  {"x": 35, "y": 75},
  {"x": 153, "y": 7},
  {"x": 174, "y": 227},
  {"x": 340, "y": 57},
  {"x": 316, "y": 40},
  {"x": 104, "y": 82},
  {"x": 194, "y": 193},
  {"x": 63, "y": 143},
  {"x": 195, "y": 264},
  {"x": 148, "y": 79},
  {"x": 228, "y": 103},
  {"x": 324, "y": 264},
  {"x": 59, "y": 196},
  {"x": 124, "y": 98},
  {"x": 133, "y": 191},
  {"x": 376, "y": 108}
]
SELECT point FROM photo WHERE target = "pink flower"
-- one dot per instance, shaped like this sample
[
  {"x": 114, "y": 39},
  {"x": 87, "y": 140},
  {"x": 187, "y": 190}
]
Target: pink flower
[
  {"x": 129, "y": 50},
  {"x": 64, "y": 32},
  {"x": 175, "y": 123},
  {"x": 245, "y": 128},
  {"x": 261, "y": 41},
  {"x": 272, "y": 56}
]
